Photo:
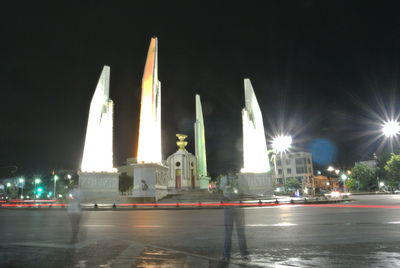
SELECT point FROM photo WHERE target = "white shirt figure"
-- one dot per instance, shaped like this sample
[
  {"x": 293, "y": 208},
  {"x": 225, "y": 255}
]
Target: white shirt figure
[{"x": 75, "y": 198}]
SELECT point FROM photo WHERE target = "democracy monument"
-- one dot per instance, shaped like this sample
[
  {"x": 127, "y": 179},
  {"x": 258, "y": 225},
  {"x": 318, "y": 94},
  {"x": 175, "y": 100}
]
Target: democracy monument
[{"x": 154, "y": 178}]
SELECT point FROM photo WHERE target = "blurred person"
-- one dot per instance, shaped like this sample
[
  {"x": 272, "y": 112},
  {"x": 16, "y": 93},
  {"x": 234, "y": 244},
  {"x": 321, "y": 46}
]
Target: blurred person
[
  {"x": 232, "y": 216},
  {"x": 75, "y": 198}
]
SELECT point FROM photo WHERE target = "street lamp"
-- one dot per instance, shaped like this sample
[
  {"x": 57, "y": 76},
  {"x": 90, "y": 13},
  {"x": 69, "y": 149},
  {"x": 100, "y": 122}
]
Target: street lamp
[
  {"x": 22, "y": 182},
  {"x": 55, "y": 181},
  {"x": 391, "y": 128},
  {"x": 344, "y": 178},
  {"x": 281, "y": 144},
  {"x": 37, "y": 181}
]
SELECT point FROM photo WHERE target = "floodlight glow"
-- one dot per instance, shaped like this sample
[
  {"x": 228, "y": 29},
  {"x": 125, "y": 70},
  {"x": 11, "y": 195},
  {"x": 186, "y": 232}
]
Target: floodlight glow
[
  {"x": 69, "y": 176},
  {"x": 343, "y": 176},
  {"x": 37, "y": 180},
  {"x": 55, "y": 177},
  {"x": 381, "y": 184},
  {"x": 8, "y": 184},
  {"x": 330, "y": 168},
  {"x": 149, "y": 145},
  {"x": 21, "y": 180},
  {"x": 281, "y": 143},
  {"x": 98, "y": 150},
  {"x": 391, "y": 128},
  {"x": 255, "y": 154}
]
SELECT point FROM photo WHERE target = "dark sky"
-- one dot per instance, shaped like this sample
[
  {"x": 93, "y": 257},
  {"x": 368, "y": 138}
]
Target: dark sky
[{"x": 320, "y": 69}]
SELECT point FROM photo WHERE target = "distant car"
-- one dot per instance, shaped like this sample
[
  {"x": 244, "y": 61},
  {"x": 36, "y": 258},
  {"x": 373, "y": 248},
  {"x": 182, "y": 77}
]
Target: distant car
[
  {"x": 337, "y": 195},
  {"x": 381, "y": 191},
  {"x": 397, "y": 192}
]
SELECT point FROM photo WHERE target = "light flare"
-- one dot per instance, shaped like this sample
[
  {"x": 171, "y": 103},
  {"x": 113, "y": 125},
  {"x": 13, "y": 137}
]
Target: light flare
[{"x": 391, "y": 128}]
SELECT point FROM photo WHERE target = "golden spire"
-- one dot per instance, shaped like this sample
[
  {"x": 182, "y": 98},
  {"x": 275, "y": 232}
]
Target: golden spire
[{"x": 181, "y": 143}]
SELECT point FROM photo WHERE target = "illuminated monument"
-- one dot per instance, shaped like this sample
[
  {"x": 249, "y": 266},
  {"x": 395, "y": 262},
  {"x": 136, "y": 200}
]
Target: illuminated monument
[
  {"x": 150, "y": 176},
  {"x": 98, "y": 178},
  {"x": 255, "y": 176},
  {"x": 200, "y": 146}
]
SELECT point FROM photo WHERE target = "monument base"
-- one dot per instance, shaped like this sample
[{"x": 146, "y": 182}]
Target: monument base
[
  {"x": 99, "y": 185},
  {"x": 255, "y": 184},
  {"x": 150, "y": 181},
  {"x": 204, "y": 182}
]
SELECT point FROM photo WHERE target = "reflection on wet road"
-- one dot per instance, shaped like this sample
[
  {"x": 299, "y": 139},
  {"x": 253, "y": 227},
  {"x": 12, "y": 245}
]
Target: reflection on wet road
[{"x": 160, "y": 258}]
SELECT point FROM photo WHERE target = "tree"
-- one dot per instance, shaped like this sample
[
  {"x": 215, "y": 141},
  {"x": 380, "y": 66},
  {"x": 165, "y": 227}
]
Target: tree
[
  {"x": 366, "y": 177},
  {"x": 382, "y": 160},
  {"x": 125, "y": 183},
  {"x": 351, "y": 184},
  {"x": 293, "y": 183},
  {"x": 392, "y": 168}
]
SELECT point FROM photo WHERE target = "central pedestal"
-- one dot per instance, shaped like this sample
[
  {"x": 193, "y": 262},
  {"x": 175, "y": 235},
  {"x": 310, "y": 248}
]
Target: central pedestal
[
  {"x": 150, "y": 182},
  {"x": 255, "y": 184},
  {"x": 99, "y": 185},
  {"x": 204, "y": 182}
]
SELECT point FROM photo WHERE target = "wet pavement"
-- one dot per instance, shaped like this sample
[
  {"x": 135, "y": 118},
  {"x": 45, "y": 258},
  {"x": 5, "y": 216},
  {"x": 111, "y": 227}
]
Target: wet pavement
[{"x": 284, "y": 236}]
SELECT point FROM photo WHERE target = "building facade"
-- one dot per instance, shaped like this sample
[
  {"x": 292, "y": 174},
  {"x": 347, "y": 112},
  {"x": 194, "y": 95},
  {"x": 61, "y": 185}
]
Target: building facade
[{"x": 297, "y": 165}]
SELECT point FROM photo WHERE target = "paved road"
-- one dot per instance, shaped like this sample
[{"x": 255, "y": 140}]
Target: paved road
[{"x": 285, "y": 236}]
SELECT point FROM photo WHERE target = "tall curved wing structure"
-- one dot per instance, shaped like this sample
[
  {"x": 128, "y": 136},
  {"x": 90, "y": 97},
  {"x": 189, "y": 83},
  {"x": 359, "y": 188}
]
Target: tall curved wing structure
[
  {"x": 98, "y": 149},
  {"x": 149, "y": 145},
  {"x": 255, "y": 155},
  {"x": 200, "y": 140}
]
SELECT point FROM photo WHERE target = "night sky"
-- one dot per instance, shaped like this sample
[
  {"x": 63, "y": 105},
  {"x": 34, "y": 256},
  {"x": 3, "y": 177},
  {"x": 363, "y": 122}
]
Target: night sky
[{"x": 320, "y": 70}]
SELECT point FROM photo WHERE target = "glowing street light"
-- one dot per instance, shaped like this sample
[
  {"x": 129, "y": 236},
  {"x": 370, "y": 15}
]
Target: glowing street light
[
  {"x": 55, "y": 182},
  {"x": 330, "y": 168},
  {"x": 381, "y": 184},
  {"x": 391, "y": 128},
  {"x": 37, "y": 181},
  {"x": 281, "y": 143},
  {"x": 21, "y": 181}
]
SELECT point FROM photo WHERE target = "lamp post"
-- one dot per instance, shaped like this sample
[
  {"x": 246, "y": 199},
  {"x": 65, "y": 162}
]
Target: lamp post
[
  {"x": 281, "y": 144},
  {"x": 37, "y": 181},
  {"x": 391, "y": 129},
  {"x": 22, "y": 182},
  {"x": 8, "y": 185},
  {"x": 344, "y": 178},
  {"x": 55, "y": 182}
]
